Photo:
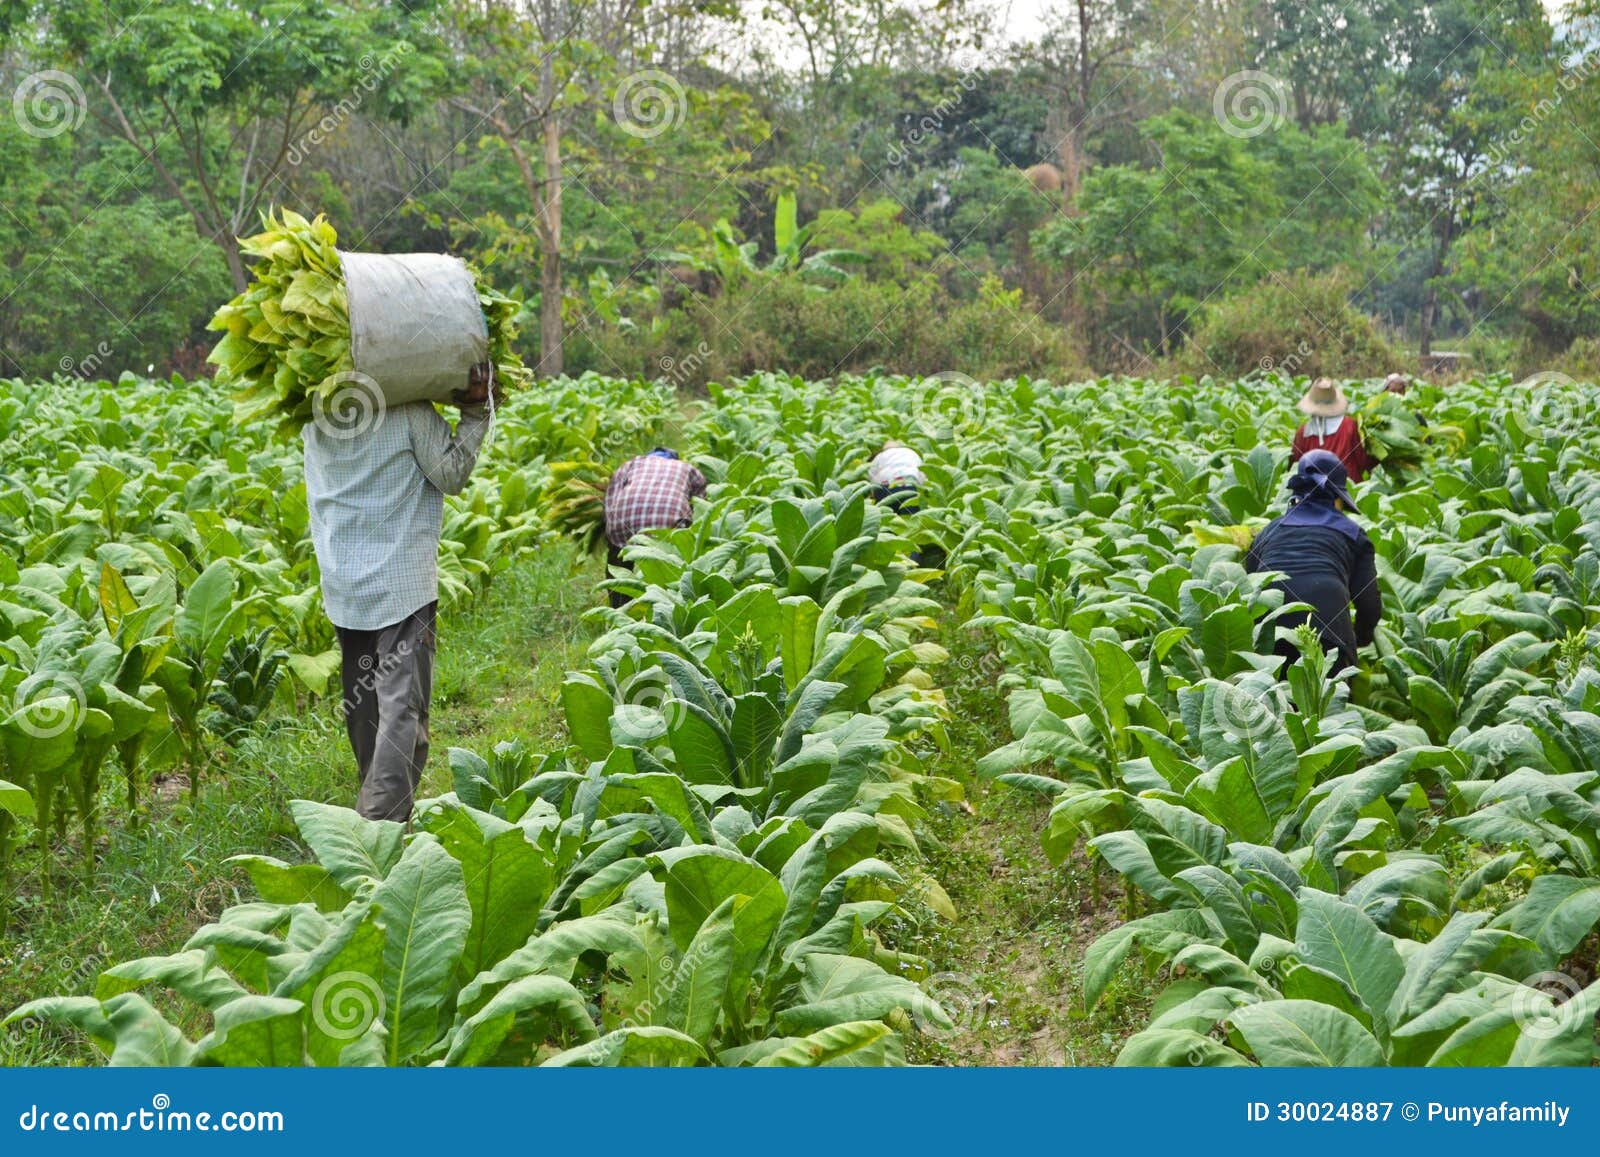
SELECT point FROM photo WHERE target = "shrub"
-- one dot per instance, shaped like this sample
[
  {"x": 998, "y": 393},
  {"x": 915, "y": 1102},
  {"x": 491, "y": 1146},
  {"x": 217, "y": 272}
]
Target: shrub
[
  {"x": 1582, "y": 360},
  {"x": 778, "y": 323},
  {"x": 1294, "y": 324}
]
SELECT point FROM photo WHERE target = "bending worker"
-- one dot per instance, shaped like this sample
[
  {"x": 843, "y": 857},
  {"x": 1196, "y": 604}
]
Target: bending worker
[
  {"x": 895, "y": 473},
  {"x": 1325, "y": 559},
  {"x": 652, "y": 492}
]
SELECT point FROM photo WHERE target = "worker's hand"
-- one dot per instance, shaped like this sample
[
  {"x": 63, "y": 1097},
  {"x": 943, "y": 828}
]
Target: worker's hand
[{"x": 480, "y": 380}]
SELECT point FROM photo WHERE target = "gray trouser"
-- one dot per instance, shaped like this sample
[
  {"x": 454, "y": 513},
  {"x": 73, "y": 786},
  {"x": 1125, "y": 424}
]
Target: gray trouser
[{"x": 388, "y": 681}]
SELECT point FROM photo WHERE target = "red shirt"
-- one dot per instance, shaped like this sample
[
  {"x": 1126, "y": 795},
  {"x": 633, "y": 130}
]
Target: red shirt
[{"x": 1345, "y": 441}]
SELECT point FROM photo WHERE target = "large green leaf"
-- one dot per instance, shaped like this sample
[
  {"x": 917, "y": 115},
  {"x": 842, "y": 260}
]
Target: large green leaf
[
  {"x": 340, "y": 984},
  {"x": 508, "y": 880},
  {"x": 193, "y": 974},
  {"x": 207, "y": 610},
  {"x": 644, "y": 1045},
  {"x": 1558, "y": 912},
  {"x": 281, "y": 883},
  {"x": 699, "y": 744},
  {"x": 256, "y": 1031},
  {"x": 16, "y": 800},
  {"x": 1303, "y": 1032},
  {"x": 699, "y": 878},
  {"x": 1176, "y": 1048},
  {"x": 588, "y": 709},
  {"x": 828, "y": 1046},
  {"x": 141, "y": 1036},
  {"x": 518, "y": 1019},
  {"x": 425, "y": 914},
  {"x": 835, "y": 990},
  {"x": 1338, "y": 938},
  {"x": 353, "y": 849}
]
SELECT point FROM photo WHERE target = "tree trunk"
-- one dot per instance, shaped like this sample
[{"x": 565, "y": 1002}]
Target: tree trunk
[
  {"x": 1430, "y": 299},
  {"x": 551, "y": 333},
  {"x": 236, "y": 269}
]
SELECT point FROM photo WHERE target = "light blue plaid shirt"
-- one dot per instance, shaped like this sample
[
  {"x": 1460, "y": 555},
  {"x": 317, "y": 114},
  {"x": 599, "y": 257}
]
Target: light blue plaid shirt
[{"x": 377, "y": 503}]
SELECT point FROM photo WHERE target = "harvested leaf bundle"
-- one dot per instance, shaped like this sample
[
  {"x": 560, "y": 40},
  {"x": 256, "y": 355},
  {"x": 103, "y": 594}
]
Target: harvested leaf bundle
[
  {"x": 1241, "y": 535},
  {"x": 287, "y": 338},
  {"x": 574, "y": 501},
  {"x": 1393, "y": 435}
]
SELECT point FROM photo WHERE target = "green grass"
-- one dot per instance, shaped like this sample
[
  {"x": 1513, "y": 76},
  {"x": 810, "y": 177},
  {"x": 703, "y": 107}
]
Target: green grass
[
  {"x": 498, "y": 676},
  {"x": 1009, "y": 968}
]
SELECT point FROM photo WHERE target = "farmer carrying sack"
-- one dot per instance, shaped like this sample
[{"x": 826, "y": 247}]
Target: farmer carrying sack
[{"x": 416, "y": 327}]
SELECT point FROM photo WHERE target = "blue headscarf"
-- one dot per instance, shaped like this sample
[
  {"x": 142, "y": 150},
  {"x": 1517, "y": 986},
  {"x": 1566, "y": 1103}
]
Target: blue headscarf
[
  {"x": 663, "y": 452},
  {"x": 1318, "y": 483}
]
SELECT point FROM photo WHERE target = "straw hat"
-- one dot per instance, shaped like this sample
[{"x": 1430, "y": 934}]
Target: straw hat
[{"x": 1324, "y": 400}]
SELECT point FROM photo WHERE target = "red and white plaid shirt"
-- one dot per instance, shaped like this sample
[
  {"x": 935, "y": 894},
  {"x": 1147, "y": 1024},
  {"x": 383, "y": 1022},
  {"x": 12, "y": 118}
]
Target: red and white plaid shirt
[{"x": 650, "y": 493}]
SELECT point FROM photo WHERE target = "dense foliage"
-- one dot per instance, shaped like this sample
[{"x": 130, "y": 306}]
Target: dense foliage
[
  {"x": 695, "y": 878},
  {"x": 1127, "y": 170},
  {"x": 154, "y": 560},
  {"x": 1397, "y": 868}
]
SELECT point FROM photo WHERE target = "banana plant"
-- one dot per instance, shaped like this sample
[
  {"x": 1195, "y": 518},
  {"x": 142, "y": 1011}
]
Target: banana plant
[{"x": 733, "y": 260}]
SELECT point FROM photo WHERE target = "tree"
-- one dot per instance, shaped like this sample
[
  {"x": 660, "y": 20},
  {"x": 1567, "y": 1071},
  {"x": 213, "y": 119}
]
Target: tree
[
  {"x": 1335, "y": 56},
  {"x": 1537, "y": 263},
  {"x": 218, "y": 109},
  {"x": 1460, "y": 64},
  {"x": 1215, "y": 213},
  {"x": 530, "y": 66},
  {"x": 91, "y": 282}
]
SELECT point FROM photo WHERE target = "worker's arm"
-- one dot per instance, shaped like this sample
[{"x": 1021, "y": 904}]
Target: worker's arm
[
  {"x": 447, "y": 459},
  {"x": 1364, "y": 593},
  {"x": 697, "y": 483}
]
